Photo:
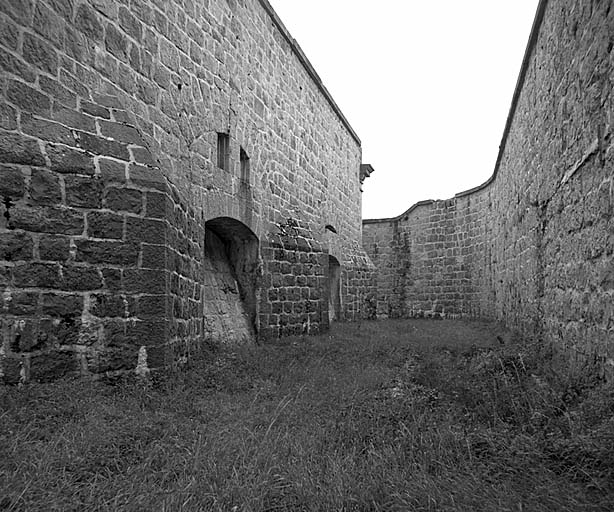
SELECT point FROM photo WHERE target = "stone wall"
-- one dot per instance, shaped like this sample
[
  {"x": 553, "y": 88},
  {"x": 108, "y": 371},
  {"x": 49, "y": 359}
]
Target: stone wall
[
  {"x": 533, "y": 247},
  {"x": 111, "y": 117},
  {"x": 428, "y": 259}
]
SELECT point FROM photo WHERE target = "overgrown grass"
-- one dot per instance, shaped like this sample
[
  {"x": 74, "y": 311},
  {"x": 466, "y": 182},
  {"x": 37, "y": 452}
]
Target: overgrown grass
[{"x": 397, "y": 415}]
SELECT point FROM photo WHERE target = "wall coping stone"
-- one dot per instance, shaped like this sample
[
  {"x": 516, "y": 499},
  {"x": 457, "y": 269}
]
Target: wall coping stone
[{"x": 308, "y": 67}]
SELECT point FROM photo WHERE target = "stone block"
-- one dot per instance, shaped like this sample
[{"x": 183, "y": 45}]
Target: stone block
[
  {"x": 116, "y": 42},
  {"x": 154, "y": 256},
  {"x": 9, "y": 34},
  {"x": 147, "y": 177},
  {"x": 105, "y": 225},
  {"x": 146, "y": 91},
  {"x": 16, "y": 66},
  {"x": 160, "y": 22},
  {"x": 46, "y": 130},
  {"x": 63, "y": 7},
  {"x": 124, "y": 199},
  {"x": 16, "y": 246},
  {"x": 76, "y": 45},
  {"x": 46, "y": 220},
  {"x": 84, "y": 192},
  {"x": 157, "y": 204},
  {"x": 109, "y": 9},
  {"x": 110, "y": 101},
  {"x": 107, "y": 252},
  {"x": 150, "y": 231},
  {"x": 95, "y": 110},
  {"x": 8, "y": 117},
  {"x": 58, "y": 92},
  {"x": 135, "y": 333},
  {"x": 28, "y": 98},
  {"x": 45, "y": 188},
  {"x": 101, "y": 146},
  {"x": 21, "y": 303},
  {"x": 61, "y": 305},
  {"x": 134, "y": 58},
  {"x": 80, "y": 278},
  {"x": 112, "y": 171},
  {"x": 54, "y": 248},
  {"x": 113, "y": 306},
  {"x": 153, "y": 281},
  {"x": 130, "y": 24},
  {"x": 119, "y": 115},
  {"x": 52, "y": 366},
  {"x": 6, "y": 277},
  {"x": 158, "y": 356},
  {"x": 37, "y": 275},
  {"x": 18, "y": 149},
  {"x": 162, "y": 76},
  {"x": 68, "y": 160},
  {"x": 73, "y": 119},
  {"x": 142, "y": 11},
  {"x": 143, "y": 62},
  {"x": 152, "y": 307},
  {"x": 124, "y": 76},
  {"x": 87, "y": 21},
  {"x": 120, "y": 132},
  {"x": 12, "y": 184},
  {"x": 25, "y": 335},
  {"x": 112, "y": 279},
  {"x": 48, "y": 24},
  {"x": 12, "y": 370}
]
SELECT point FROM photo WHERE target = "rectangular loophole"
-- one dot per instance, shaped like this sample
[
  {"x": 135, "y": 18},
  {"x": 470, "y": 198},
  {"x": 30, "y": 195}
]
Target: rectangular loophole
[
  {"x": 223, "y": 151},
  {"x": 244, "y": 166}
]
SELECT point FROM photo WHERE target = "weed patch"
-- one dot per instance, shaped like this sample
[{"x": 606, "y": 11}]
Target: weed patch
[{"x": 398, "y": 415}]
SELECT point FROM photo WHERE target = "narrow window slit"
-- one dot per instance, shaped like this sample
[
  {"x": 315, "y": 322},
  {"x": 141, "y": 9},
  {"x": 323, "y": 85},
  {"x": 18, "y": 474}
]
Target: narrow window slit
[
  {"x": 244, "y": 167},
  {"x": 223, "y": 151}
]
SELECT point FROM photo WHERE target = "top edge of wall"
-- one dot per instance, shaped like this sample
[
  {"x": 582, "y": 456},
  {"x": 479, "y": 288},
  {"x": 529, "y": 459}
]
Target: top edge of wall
[
  {"x": 535, "y": 29},
  {"x": 425, "y": 202},
  {"x": 308, "y": 67}
]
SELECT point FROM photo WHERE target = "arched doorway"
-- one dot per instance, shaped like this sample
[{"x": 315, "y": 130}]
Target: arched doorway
[
  {"x": 334, "y": 289},
  {"x": 231, "y": 268}
]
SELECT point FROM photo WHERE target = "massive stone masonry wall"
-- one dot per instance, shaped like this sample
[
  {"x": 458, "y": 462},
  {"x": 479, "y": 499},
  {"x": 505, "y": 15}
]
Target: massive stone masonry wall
[
  {"x": 76, "y": 237},
  {"x": 534, "y": 246},
  {"x": 427, "y": 258},
  {"x": 109, "y": 121}
]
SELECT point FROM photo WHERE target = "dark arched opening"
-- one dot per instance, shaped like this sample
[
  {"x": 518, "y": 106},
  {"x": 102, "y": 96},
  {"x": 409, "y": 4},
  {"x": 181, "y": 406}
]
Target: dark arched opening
[
  {"x": 231, "y": 281},
  {"x": 334, "y": 289}
]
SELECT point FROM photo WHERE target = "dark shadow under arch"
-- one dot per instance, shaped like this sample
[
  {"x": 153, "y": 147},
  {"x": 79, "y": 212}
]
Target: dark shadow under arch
[
  {"x": 229, "y": 241},
  {"x": 334, "y": 289}
]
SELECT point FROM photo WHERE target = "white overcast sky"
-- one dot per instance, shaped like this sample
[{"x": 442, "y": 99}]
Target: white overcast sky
[{"x": 427, "y": 86}]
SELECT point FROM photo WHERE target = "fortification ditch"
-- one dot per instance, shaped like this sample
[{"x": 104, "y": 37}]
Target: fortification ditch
[
  {"x": 532, "y": 247},
  {"x": 168, "y": 170}
]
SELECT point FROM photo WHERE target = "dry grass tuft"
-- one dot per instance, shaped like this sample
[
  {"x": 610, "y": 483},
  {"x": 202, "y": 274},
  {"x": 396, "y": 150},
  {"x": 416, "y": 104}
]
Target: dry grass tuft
[{"x": 397, "y": 415}]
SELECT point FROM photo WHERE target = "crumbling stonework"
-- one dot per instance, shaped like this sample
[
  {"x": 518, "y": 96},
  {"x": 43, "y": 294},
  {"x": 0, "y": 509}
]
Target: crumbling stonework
[
  {"x": 532, "y": 247},
  {"x": 168, "y": 170}
]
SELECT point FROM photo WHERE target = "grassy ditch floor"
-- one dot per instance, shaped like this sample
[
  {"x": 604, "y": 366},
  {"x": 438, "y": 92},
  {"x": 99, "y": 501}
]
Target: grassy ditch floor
[{"x": 395, "y": 415}]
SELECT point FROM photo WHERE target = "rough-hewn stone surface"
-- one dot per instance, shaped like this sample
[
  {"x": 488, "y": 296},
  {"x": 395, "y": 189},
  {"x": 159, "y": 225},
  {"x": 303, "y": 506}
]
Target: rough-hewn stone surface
[
  {"x": 533, "y": 247},
  {"x": 109, "y": 121}
]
